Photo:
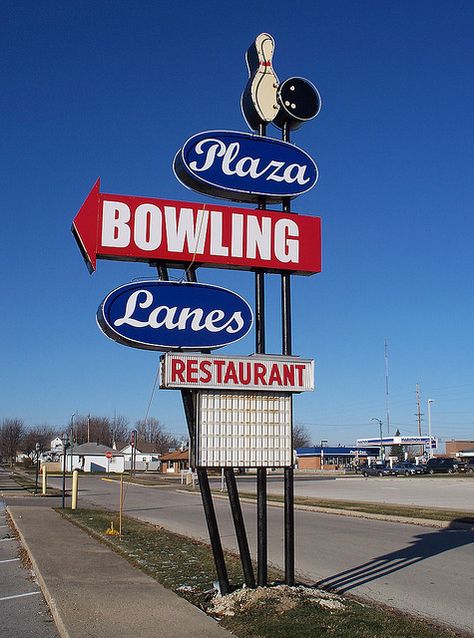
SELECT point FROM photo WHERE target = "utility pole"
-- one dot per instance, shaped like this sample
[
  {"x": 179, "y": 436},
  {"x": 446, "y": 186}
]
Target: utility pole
[
  {"x": 387, "y": 412},
  {"x": 379, "y": 421},
  {"x": 430, "y": 452},
  {"x": 419, "y": 413},
  {"x": 418, "y": 408}
]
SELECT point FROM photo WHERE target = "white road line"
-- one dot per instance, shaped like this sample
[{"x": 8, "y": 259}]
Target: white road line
[
  {"x": 31, "y": 593},
  {"x": 2, "y": 540},
  {"x": 8, "y": 560},
  {"x": 3, "y": 525}
]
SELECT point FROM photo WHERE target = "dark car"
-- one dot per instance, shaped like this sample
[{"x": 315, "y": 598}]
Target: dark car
[
  {"x": 407, "y": 469},
  {"x": 377, "y": 469},
  {"x": 442, "y": 464},
  {"x": 470, "y": 465}
]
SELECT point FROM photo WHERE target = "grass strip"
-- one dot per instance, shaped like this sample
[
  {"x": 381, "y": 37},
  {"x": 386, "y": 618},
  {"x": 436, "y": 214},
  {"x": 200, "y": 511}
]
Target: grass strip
[
  {"x": 29, "y": 483},
  {"x": 186, "y": 566}
]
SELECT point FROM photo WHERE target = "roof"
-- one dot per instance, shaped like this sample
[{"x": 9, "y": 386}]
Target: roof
[
  {"x": 94, "y": 449},
  {"x": 177, "y": 455},
  {"x": 142, "y": 448}
]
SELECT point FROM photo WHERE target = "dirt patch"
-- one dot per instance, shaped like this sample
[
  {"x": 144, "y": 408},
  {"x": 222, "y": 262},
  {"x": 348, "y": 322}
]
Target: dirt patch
[{"x": 282, "y": 598}]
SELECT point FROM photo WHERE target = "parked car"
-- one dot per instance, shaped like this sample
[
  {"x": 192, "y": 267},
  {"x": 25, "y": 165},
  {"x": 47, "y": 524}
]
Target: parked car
[
  {"x": 407, "y": 468},
  {"x": 470, "y": 465},
  {"x": 442, "y": 464},
  {"x": 377, "y": 469}
]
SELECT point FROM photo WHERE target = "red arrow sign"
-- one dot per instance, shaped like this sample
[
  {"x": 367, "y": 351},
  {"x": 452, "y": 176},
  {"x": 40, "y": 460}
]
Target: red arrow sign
[{"x": 152, "y": 230}]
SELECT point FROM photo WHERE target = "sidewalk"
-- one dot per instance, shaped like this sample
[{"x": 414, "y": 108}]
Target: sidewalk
[{"x": 92, "y": 591}]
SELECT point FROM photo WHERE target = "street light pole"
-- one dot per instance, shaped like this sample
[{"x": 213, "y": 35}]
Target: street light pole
[
  {"x": 37, "y": 448},
  {"x": 430, "y": 451},
  {"x": 379, "y": 421}
]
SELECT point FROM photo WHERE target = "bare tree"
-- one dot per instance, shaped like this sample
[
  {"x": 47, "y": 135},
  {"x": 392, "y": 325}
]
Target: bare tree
[
  {"x": 120, "y": 429},
  {"x": 11, "y": 434},
  {"x": 95, "y": 429},
  {"x": 301, "y": 436},
  {"x": 152, "y": 431},
  {"x": 42, "y": 434}
]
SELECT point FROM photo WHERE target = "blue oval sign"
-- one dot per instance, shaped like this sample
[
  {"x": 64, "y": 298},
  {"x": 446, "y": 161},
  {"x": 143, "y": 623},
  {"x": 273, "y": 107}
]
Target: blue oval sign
[
  {"x": 165, "y": 315},
  {"x": 243, "y": 167}
]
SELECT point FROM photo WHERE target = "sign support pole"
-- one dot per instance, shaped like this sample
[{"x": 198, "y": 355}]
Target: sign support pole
[
  {"x": 203, "y": 479},
  {"x": 262, "y": 551},
  {"x": 239, "y": 527},
  {"x": 287, "y": 350}
]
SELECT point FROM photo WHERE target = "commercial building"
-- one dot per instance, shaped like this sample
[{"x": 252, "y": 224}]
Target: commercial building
[
  {"x": 334, "y": 458},
  {"x": 460, "y": 448}
]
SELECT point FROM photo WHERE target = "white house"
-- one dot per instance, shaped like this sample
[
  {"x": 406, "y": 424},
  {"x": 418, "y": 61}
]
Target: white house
[
  {"x": 147, "y": 458},
  {"x": 56, "y": 445},
  {"x": 93, "y": 457}
]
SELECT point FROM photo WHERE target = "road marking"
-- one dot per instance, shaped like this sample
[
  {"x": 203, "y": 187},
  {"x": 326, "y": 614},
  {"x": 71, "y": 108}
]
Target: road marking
[
  {"x": 31, "y": 593},
  {"x": 9, "y": 560},
  {"x": 2, "y": 540}
]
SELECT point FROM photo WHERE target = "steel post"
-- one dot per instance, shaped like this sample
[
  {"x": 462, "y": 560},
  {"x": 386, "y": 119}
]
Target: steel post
[
  {"x": 287, "y": 349},
  {"x": 209, "y": 511},
  {"x": 239, "y": 527}
]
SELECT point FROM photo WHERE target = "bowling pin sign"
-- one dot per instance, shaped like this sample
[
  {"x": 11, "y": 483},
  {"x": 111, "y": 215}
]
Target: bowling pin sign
[{"x": 259, "y": 99}]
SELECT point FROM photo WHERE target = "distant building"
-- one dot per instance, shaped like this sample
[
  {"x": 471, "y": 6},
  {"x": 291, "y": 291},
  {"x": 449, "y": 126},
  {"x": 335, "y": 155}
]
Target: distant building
[
  {"x": 56, "y": 445},
  {"x": 91, "y": 457},
  {"x": 460, "y": 448},
  {"x": 333, "y": 458},
  {"x": 147, "y": 457},
  {"x": 174, "y": 462}
]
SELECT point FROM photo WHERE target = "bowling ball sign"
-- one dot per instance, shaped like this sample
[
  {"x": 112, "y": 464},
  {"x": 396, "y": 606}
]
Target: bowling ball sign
[
  {"x": 165, "y": 315},
  {"x": 299, "y": 102},
  {"x": 243, "y": 167}
]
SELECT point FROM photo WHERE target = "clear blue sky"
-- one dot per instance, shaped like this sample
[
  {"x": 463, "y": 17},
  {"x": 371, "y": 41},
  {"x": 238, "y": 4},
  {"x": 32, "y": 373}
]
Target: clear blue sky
[{"x": 113, "y": 89}]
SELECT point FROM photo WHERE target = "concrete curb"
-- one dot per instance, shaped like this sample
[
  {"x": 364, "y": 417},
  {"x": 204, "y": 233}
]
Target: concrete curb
[{"x": 424, "y": 522}]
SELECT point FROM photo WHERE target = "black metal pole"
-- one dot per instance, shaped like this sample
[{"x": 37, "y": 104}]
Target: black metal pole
[
  {"x": 213, "y": 529},
  {"x": 287, "y": 350},
  {"x": 239, "y": 527},
  {"x": 203, "y": 479},
  {"x": 262, "y": 550},
  {"x": 64, "y": 478}
]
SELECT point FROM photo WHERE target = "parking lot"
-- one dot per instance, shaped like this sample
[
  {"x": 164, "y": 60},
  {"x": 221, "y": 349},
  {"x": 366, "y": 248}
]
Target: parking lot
[
  {"x": 23, "y": 611},
  {"x": 449, "y": 492}
]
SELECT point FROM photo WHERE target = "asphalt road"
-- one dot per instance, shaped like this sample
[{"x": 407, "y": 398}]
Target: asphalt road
[{"x": 425, "y": 571}]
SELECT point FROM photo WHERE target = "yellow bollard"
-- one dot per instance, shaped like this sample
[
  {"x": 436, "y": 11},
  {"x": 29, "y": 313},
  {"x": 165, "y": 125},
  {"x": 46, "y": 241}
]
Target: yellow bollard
[
  {"x": 44, "y": 483},
  {"x": 75, "y": 480}
]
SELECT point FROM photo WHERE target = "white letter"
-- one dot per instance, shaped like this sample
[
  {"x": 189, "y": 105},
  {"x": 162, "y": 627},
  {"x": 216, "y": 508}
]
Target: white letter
[
  {"x": 230, "y": 154},
  {"x": 186, "y": 230},
  {"x": 115, "y": 229},
  {"x": 260, "y": 237},
  {"x": 237, "y": 317},
  {"x": 217, "y": 248},
  {"x": 130, "y": 309},
  {"x": 212, "y": 318},
  {"x": 211, "y": 154},
  {"x": 148, "y": 224},
  {"x": 236, "y": 248},
  {"x": 286, "y": 249},
  {"x": 299, "y": 177}
]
